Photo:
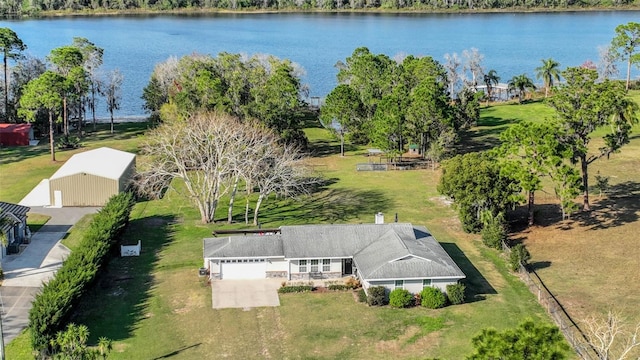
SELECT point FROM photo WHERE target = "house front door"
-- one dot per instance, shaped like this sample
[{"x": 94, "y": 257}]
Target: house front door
[{"x": 347, "y": 266}]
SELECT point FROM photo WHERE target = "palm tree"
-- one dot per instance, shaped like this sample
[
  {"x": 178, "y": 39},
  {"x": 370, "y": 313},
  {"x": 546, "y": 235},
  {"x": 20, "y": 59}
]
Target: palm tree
[
  {"x": 521, "y": 83},
  {"x": 491, "y": 78},
  {"x": 105, "y": 346},
  {"x": 548, "y": 71}
]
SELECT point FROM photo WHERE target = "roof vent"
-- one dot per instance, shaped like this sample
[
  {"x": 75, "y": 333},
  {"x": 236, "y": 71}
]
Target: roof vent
[{"x": 379, "y": 218}]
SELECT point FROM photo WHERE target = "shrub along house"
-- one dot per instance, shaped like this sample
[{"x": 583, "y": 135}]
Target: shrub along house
[{"x": 395, "y": 255}]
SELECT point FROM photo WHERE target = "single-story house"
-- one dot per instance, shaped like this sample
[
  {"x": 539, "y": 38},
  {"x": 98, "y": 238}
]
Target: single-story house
[
  {"x": 13, "y": 224},
  {"x": 92, "y": 177},
  {"x": 393, "y": 255},
  {"x": 15, "y": 134}
]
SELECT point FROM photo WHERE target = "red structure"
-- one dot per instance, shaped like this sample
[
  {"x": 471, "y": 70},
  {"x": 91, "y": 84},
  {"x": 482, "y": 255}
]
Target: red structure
[{"x": 15, "y": 134}]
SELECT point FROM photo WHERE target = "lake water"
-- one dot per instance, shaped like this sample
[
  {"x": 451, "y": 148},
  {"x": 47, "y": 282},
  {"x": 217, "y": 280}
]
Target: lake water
[{"x": 512, "y": 43}]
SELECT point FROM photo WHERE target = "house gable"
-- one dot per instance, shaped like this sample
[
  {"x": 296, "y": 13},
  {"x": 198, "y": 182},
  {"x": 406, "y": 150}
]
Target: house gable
[{"x": 380, "y": 252}]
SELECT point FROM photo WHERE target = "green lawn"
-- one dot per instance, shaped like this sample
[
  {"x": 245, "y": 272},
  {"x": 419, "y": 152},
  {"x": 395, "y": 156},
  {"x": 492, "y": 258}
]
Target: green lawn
[
  {"x": 24, "y": 167},
  {"x": 155, "y": 305}
]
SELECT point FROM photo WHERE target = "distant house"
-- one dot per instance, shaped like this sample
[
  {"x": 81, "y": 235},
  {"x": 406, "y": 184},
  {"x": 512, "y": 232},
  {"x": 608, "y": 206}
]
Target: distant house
[
  {"x": 15, "y": 134},
  {"x": 14, "y": 226},
  {"x": 90, "y": 178},
  {"x": 395, "y": 255}
]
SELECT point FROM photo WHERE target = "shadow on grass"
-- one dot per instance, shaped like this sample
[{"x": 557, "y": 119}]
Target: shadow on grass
[
  {"x": 328, "y": 206},
  {"x": 537, "y": 265},
  {"x": 18, "y": 153},
  {"x": 477, "y": 285},
  {"x": 322, "y": 148},
  {"x": 177, "y": 352},
  {"x": 122, "y": 131},
  {"x": 621, "y": 206},
  {"x": 485, "y": 136},
  {"x": 118, "y": 300}
]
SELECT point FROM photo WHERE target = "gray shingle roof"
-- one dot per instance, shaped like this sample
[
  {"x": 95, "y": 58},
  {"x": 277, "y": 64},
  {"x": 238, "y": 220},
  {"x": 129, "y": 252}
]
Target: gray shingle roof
[
  {"x": 397, "y": 255},
  {"x": 14, "y": 208},
  {"x": 243, "y": 246},
  {"x": 345, "y": 240},
  {"x": 380, "y": 251},
  {"x": 14, "y": 212}
]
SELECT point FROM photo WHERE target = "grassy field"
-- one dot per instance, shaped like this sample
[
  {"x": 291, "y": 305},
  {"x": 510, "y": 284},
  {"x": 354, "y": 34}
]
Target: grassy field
[
  {"x": 155, "y": 306},
  {"x": 591, "y": 262}
]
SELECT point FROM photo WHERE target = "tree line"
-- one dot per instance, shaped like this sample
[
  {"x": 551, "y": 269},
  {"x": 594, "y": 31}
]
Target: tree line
[
  {"x": 35, "y": 7},
  {"x": 230, "y": 126},
  {"x": 59, "y": 90},
  {"x": 259, "y": 87},
  {"x": 485, "y": 185},
  {"x": 392, "y": 103}
]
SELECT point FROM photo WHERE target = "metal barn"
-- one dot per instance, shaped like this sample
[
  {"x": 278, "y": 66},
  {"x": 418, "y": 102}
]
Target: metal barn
[{"x": 91, "y": 178}]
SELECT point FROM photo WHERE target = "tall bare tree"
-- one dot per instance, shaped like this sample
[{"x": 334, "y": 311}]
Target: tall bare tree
[
  {"x": 473, "y": 63},
  {"x": 607, "y": 67},
  {"x": 92, "y": 56},
  {"x": 452, "y": 65},
  {"x": 112, "y": 90},
  {"x": 211, "y": 153},
  {"x": 194, "y": 151},
  {"x": 613, "y": 338},
  {"x": 281, "y": 172}
]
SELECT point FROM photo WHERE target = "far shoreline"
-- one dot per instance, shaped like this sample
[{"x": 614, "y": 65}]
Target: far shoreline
[{"x": 216, "y": 11}]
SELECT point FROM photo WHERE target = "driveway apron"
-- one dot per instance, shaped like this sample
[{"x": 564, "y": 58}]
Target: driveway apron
[
  {"x": 245, "y": 294},
  {"x": 24, "y": 274}
]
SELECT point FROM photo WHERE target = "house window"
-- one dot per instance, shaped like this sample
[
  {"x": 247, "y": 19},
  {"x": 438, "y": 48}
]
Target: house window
[
  {"x": 426, "y": 283},
  {"x": 303, "y": 266},
  {"x": 326, "y": 265},
  {"x": 399, "y": 284},
  {"x": 314, "y": 265}
]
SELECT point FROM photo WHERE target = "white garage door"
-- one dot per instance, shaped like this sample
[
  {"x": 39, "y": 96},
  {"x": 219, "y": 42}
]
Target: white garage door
[{"x": 244, "y": 269}]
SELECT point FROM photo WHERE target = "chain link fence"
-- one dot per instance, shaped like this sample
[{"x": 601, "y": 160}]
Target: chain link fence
[{"x": 569, "y": 328}]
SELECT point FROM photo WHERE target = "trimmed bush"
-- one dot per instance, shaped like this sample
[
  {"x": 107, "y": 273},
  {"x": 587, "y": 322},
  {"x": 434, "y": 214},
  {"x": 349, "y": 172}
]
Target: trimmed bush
[
  {"x": 519, "y": 255},
  {"x": 400, "y": 298},
  {"x": 339, "y": 287},
  {"x": 52, "y": 306},
  {"x": 433, "y": 298},
  {"x": 295, "y": 289},
  {"x": 377, "y": 296},
  {"x": 455, "y": 293},
  {"x": 494, "y": 231},
  {"x": 362, "y": 295}
]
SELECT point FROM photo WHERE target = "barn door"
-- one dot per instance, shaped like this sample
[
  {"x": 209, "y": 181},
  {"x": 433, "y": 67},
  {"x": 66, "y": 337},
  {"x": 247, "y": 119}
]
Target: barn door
[{"x": 57, "y": 198}]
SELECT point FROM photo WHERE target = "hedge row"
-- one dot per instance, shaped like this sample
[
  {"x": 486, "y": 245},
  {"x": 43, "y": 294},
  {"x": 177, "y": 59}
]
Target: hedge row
[
  {"x": 339, "y": 287},
  {"x": 51, "y": 307},
  {"x": 295, "y": 289},
  {"x": 429, "y": 297}
]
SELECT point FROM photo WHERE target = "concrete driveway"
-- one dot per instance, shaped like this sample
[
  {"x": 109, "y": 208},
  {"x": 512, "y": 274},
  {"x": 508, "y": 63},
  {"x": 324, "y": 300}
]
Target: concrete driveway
[
  {"x": 25, "y": 273},
  {"x": 245, "y": 294}
]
